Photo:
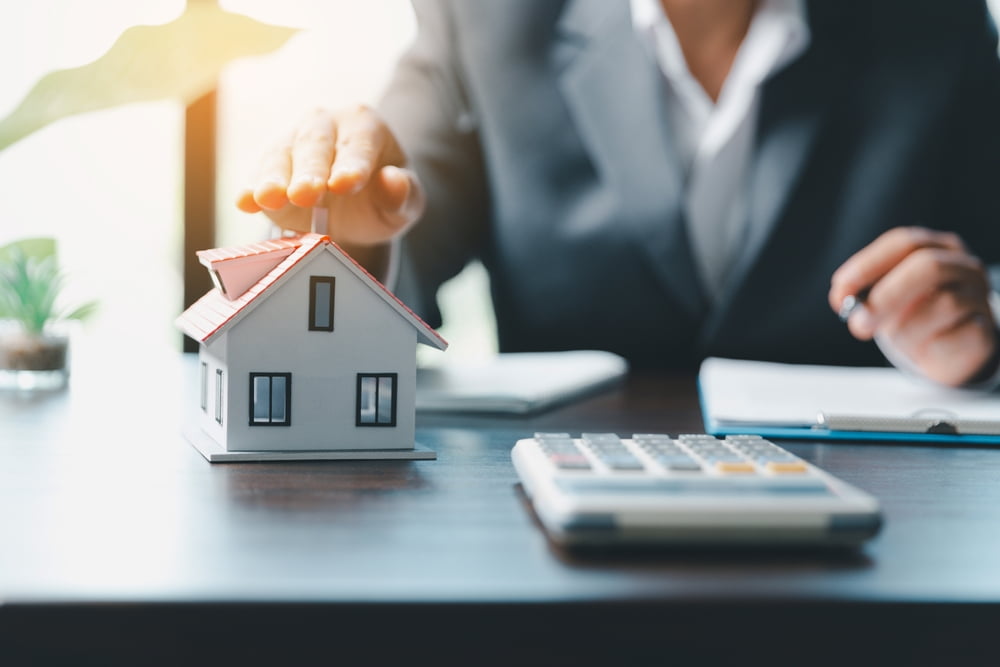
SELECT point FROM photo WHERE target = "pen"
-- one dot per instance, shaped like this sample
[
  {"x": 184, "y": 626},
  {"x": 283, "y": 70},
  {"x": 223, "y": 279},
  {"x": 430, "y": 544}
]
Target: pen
[
  {"x": 851, "y": 303},
  {"x": 320, "y": 225}
]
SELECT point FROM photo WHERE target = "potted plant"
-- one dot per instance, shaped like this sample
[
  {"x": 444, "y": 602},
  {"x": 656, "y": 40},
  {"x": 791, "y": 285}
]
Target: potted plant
[{"x": 34, "y": 337}]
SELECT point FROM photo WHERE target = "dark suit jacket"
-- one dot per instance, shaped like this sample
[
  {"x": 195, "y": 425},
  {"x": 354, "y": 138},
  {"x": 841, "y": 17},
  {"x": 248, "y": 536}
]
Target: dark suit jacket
[{"x": 538, "y": 128}]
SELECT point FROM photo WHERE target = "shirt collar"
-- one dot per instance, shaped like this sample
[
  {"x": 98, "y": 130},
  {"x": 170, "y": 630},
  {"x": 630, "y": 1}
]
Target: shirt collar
[{"x": 784, "y": 17}]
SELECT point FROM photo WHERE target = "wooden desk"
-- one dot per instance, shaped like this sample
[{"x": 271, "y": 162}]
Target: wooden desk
[{"x": 118, "y": 540}]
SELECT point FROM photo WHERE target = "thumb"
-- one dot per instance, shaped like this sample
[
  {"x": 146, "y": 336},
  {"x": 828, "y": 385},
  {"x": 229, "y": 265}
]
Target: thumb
[{"x": 399, "y": 196}]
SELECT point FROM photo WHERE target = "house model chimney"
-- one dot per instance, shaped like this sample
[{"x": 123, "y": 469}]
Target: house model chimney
[{"x": 235, "y": 270}]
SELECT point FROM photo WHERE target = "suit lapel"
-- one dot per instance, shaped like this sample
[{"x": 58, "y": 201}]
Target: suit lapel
[
  {"x": 615, "y": 96},
  {"x": 794, "y": 110}
]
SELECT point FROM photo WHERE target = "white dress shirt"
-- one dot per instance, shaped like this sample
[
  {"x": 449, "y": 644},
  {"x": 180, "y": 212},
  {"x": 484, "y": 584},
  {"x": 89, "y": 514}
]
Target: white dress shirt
[{"x": 715, "y": 140}]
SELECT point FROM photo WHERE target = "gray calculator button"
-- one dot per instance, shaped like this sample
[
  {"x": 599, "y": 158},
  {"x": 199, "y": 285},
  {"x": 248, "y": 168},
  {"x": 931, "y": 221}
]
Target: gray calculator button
[
  {"x": 618, "y": 462},
  {"x": 562, "y": 449},
  {"x": 651, "y": 438},
  {"x": 673, "y": 458},
  {"x": 605, "y": 452},
  {"x": 572, "y": 464},
  {"x": 776, "y": 458},
  {"x": 602, "y": 438},
  {"x": 714, "y": 453},
  {"x": 666, "y": 451},
  {"x": 556, "y": 442},
  {"x": 724, "y": 458}
]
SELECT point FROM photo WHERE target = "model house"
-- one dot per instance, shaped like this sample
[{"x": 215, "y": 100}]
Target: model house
[{"x": 303, "y": 355}]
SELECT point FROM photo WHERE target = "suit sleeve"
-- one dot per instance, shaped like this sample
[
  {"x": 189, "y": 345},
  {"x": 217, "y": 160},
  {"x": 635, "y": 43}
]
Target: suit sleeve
[{"x": 427, "y": 106}]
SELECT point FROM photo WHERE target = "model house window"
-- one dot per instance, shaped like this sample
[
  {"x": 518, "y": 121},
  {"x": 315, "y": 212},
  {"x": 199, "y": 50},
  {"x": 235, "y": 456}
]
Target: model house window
[
  {"x": 204, "y": 386},
  {"x": 376, "y": 399},
  {"x": 321, "y": 303},
  {"x": 217, "y": 281},
  {"x": 218, "y": 395},
  {"x": 270, "y": 399}
]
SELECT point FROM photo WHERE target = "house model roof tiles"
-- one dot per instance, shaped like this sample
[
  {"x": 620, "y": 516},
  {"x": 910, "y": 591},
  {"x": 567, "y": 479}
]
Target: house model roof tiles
[
  {"x": 216, "y": 255},
  {"x": 214, "y": 312}
]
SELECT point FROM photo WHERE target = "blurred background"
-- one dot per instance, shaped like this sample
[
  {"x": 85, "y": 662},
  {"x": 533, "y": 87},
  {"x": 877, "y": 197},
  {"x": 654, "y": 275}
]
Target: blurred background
[
  {"x": 117, "y": 186},
  {"x": 173, "y": 124}
]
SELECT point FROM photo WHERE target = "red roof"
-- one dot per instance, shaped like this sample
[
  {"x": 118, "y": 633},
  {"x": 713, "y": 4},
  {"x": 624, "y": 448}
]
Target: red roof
[{"x": 213, "y": 313}]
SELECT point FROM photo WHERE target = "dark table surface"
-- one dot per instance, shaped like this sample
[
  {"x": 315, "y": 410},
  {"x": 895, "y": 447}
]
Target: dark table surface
[{"x": 119, "y": 539}]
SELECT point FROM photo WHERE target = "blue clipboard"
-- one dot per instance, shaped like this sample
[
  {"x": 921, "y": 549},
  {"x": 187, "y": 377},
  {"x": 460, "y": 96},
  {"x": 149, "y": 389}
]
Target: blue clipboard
[{"x": 813, "y": 432}]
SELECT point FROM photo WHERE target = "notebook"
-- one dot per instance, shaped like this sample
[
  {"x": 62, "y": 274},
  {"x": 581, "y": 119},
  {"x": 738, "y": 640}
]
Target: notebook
[
  {"x": 517, "y": 383},
  {"x": 838, "y": 402}
]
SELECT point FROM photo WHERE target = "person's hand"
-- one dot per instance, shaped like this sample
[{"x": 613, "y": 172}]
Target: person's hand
[
  {"x": 348, "y": 161},
  {"x": 928, "y": 296}
]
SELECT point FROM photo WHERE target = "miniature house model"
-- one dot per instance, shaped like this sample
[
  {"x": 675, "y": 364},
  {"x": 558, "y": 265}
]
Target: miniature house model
[{"x": 304, "y": 355}]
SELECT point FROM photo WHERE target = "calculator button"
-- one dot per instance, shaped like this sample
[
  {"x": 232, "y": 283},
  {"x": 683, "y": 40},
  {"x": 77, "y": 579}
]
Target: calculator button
[
  {"x": 650, "y": 437},
  {"x": 601, "y": 437},
  {"x": 789, "y": 467},
  {"x": 776, "y": 458},
  {"x": 709, "y": 451},
  {"x": 683, "y": 466},
  {"x": 553, "y": 436},
  {"x": 755, "y": 446},
  {"x": 735, "y": 467},
  {"x": 673, "y": 457},
  {"x": 663, "y": 449},
  {"x": 604, "y": 452},
  {"x": 669, "y": 454},
  {"x": 559, "y": 447},
  {"x": 719, "y": 460},
  {"x": 619, "y": 462},
  {"x": 688, "y": 438},
  {"x": 570, "y": 461},
  {"x": 605, "y": 445}
]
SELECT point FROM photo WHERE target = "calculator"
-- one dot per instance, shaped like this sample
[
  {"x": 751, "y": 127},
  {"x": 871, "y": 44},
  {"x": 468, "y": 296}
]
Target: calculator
[{"x": 692, "y": 489}]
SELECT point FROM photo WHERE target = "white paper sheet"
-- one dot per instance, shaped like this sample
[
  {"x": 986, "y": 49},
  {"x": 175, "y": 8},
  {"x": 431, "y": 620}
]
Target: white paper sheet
[
  {"x": 753, "y": 392},
  {"x": 516, "y": 383}
]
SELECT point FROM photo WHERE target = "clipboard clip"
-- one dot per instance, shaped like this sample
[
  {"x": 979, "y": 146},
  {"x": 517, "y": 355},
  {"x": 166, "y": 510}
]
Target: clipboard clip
[
  {"x": 936, "y": 422},
  {"x": 942, "y": 427}
]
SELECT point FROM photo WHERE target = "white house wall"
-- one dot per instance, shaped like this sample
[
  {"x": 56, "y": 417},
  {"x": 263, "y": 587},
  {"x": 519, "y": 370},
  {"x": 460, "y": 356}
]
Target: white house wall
[
  {"x": 213, "y": 357},
  {"x": 368, "y": 337}
]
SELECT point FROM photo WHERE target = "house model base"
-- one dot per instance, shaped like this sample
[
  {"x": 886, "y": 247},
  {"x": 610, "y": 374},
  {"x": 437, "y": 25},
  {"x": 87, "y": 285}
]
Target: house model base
[{"x": 214, "y": 452}]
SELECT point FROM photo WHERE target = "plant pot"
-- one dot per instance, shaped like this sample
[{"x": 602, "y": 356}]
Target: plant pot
[{"x": 29, "y": 363}]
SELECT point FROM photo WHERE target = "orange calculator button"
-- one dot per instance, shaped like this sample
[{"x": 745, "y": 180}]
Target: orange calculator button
[
  {"x": 739, "y": 467},
  {"x": 783, "y": 467}
]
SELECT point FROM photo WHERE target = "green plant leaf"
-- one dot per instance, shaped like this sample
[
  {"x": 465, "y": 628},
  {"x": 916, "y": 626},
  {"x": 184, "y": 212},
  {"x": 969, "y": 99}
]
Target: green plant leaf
[
  {"x": 30, "y": 286},
  {"x": 39, "y": 248},
  {"x": 180, "y": 59},
  {"x": 82, "y": 312}
]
